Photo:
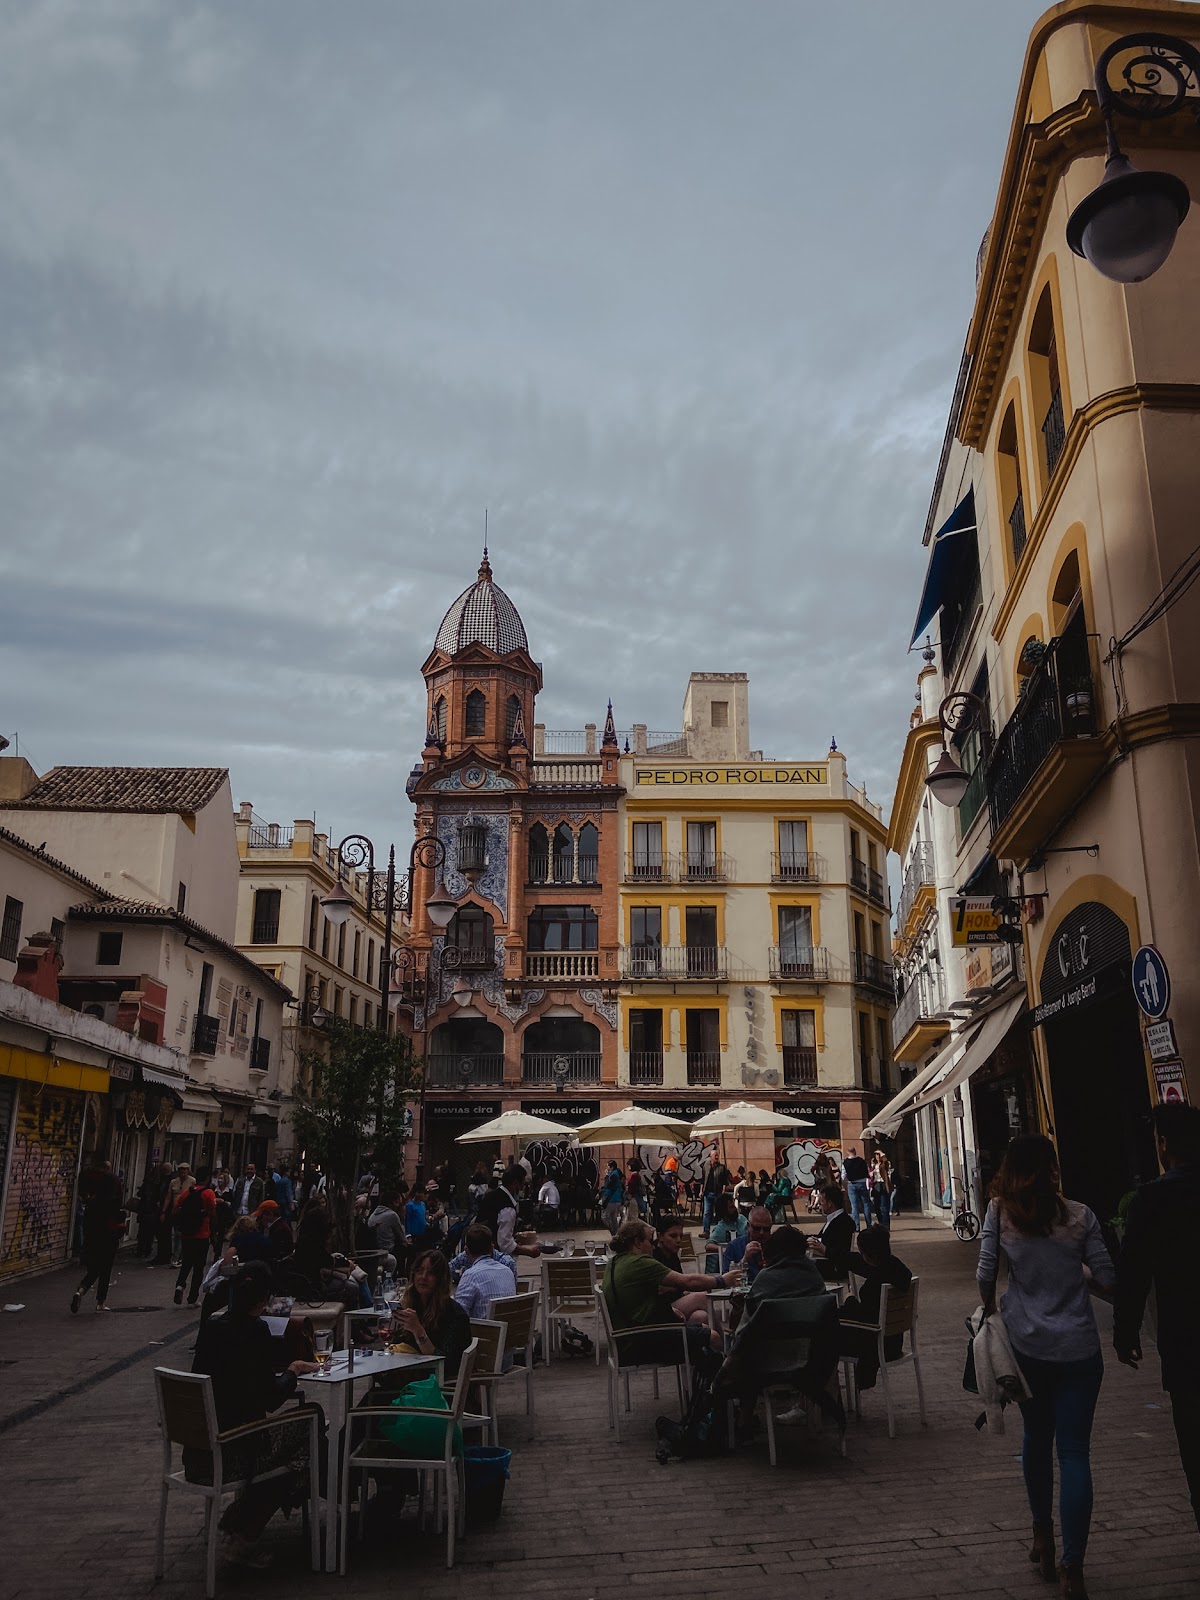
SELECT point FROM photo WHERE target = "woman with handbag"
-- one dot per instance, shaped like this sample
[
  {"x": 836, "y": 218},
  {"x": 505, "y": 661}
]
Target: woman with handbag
[{"x": 1055, "y": 1255}]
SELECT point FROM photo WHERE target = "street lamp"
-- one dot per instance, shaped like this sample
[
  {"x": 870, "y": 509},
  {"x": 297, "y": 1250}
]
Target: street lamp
[
  {"x": 958, "y": 713},
  {"x": 355, "y": 851},
  {"x": 1127, "y": 225}
]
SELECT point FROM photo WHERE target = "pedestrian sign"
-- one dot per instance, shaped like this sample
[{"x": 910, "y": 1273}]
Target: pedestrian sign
[{"x": 1151, "y": 982}]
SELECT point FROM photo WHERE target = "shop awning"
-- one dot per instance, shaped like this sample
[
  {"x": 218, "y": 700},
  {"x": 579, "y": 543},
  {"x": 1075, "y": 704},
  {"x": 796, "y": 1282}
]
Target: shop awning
[
  {"x": 979, "y": 1046},
  {"x": 942, "y": 562},
  {"x": 888, "y": 1120},
  {"x": 164, "y": 1080},
  {"x": 198, "y": 1102}
]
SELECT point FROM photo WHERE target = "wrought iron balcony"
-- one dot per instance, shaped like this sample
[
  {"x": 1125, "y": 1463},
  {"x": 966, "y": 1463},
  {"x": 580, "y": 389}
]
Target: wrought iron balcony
[
  {"x": 1054, "y": 433},
  {"x": 645, "y": 1066},
  {"x": 799, "y": 1067},
  {"x": 205, "y": 1035},
  {"x": 920, "y": 1003},
  {"x": 1016, "y": 526},
  {"x": 796, "y": 866},
  {"x": 572, "y": 966},
  {"x": 1048, "y": 750},
  {"x": 708, "y": 869},
  {"x": 704, "y": 1066},
  {"x": 858, "y": 874},
  {"x": 579, "y": 1067},
  {"x": 472, "y": 847},
  {"x": 270, "y": 836},
  {"x": 265, "y": 931},
  {"x": 918, "y": 875},
  {"x": 649, "y": 869},
  {"x": 675, "y": 963},
  {"x": 877, "y": 886},
  {"x": 463, "y": 1071},
  {"x": 799, "y": 964},
  {"x": 873, "y": 972},
  {"x": 260, "y": 1054}
]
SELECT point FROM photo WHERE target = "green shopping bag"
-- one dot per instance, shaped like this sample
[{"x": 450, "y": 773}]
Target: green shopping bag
[{"x": 423, "y": 1438}]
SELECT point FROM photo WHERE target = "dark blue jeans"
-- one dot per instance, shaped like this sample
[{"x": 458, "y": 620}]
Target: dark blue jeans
[{"x": 1060, "y": 1412}]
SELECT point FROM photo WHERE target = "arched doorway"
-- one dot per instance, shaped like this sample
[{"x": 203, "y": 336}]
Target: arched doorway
[
  {"x": 555, "y": 1045},
  {"x": 1101, "y": 1099}
]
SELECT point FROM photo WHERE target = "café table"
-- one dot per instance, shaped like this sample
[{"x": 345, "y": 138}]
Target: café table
[{"x": 338, "y": 1379}]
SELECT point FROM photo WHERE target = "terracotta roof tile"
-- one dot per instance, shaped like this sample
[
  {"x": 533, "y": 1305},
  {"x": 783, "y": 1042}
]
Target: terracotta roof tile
[{"x": 183, "y": 789}]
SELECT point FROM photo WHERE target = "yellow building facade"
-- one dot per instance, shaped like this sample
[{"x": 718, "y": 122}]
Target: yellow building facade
[{"x": 753, "y": 914}]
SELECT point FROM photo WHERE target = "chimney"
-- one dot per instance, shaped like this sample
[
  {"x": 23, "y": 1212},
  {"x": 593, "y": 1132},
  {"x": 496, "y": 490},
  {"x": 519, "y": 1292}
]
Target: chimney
[
  {"x": 17, "y": 778},
  {"x": 38, "y": 966}
]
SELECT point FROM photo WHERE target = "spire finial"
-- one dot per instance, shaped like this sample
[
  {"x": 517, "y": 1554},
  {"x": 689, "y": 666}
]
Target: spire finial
[
  {"x": 927, "y": 654},
  {"x": 485, "y": 566},
  {"x": 610, "y": 730},
  {"x": 832, "y": 743}
]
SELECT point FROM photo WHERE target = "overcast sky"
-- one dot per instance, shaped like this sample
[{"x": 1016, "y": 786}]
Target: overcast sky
[{"x": 291, "y": 290}]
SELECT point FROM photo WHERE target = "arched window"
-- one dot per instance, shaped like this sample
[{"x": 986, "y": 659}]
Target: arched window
[
  {"x": 1066, "y": 598},
  {"x": 475, "y": 722},
  {"x": 1012, "y": 488},
  {"x": 512, "y": 711},
  {"x": 589, "y": 852},
  {"x": 470, "y": 933},
  {"x": 539, "y": 854},
  {"x": 439, "y": 718},
  {"x": 564, "y": 854},
  {"x": 1046, "y": 385}
]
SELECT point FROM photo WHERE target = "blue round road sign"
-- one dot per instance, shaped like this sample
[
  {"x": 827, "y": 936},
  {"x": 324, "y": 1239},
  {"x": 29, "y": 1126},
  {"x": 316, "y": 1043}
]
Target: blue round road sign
[{"x": 1151, "y": 982}]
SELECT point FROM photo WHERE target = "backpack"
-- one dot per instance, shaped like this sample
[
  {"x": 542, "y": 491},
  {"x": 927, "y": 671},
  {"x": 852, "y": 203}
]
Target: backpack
[
  {"x": 189, "y": 1211},
  {"x": 574, "y": 1341},
  {"x": 704, "y": 1430}
]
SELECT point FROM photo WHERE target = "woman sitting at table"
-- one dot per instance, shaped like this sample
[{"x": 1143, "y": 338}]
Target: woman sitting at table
[
  {"x": 874, "y": 1264},
  {"x": 236, "y": 1351},
  {"x": 429, "y": 1322},
  {"x": 638, "y": 1291}
]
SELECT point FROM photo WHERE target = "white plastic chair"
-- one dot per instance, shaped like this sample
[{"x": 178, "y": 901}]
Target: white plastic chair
[
  {"x": 617, "y": 1368},
  {"x": 187, "y": 1416},
  {"x": 445, "y": 1469},
  {"x": 897, "y": 1315}
]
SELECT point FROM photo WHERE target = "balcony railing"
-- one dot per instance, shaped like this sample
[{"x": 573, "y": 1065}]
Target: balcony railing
[
  {"x": 1054, "y": 433},
  {"x": 708, "y": 869},
  {"x": 917, "y": 875},
  {"x": 472, "y": 957},
  {"x": 265, "y": 932},
  {"x": 580, "y": 1067},
  {"x": 799, "y": 963},
  {"x": 796, "y": 866},
  {"x": 874, "y": 972},
  {"x": 463, "y": 1071},
  {"x": 571, "y": 965},
  {"x": 205, "y": 1035},
  {"x": 914, "y": 1005},
  {"x": 645, "y": 1066},
  {"x": 799, "y": 1067},
  {"x": 674, "y": 963},
  {"x": 971, "y": 803},
  {"x": 260, "y": 1054},
  {"x": 559, "y": 869},
  {"x": 877, "y": 886},
  {"x": 648, "y": 869},
  {"x": 858, "y": 874},
  {"x": 1059, "y": 703},
  {"x": 703, "y": 1066},
  {"x": 270, "y": 836},
  {"x": 565, "y": 775},
  {"x": 1016, "y": 526}
]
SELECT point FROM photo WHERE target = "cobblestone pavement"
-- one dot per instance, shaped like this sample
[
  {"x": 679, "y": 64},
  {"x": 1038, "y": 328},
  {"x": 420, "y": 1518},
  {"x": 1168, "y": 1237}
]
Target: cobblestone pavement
[{"x": 937, "y": 1513}]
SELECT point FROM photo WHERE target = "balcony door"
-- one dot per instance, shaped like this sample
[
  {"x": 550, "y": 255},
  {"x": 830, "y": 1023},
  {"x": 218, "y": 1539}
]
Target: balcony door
[
  {"x": 799, "y": 1047},
  {"x": 700, "y": 936},
  {"x": 645, "y": 1046},
  {"x": 701, "y": 848},
  {"x": 703, "y": 1046},
  {"x": 793, "y": 849},
  {"x": 795, "y": 939},
  {"x": 647, "y": 850},
  {"x": 645, "y": 936}
]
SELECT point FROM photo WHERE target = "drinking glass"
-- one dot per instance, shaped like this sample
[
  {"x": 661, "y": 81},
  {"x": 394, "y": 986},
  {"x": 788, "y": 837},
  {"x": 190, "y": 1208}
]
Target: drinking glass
[{"x": 323, "y": 1341}]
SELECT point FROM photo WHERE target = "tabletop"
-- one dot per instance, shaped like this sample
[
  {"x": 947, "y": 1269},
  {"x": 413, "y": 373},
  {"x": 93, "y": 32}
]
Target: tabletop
[{"x": 367, "y": 1363}]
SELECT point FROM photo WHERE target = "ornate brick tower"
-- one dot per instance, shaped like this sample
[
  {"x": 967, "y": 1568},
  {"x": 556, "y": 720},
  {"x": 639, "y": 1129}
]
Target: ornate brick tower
[{"x": 515, "y": 1004}]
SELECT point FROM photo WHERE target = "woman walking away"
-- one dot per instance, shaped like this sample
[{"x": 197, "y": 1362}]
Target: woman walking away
[
  {"x": 1055, "y": 1253},
  {"x": 103, "y": 1228}
]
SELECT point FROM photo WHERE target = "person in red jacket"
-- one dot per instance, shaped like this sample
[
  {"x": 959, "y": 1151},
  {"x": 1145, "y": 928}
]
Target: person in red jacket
[{"x": 193, "y": 1221}]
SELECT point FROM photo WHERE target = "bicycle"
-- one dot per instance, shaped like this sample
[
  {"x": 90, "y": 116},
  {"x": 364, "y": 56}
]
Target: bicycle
[{"x": 966, "y": 1223}]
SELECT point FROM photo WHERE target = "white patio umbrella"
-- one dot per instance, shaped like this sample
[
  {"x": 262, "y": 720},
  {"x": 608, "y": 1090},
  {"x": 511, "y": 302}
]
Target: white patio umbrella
[
  {"x": 514, "y": 1125},
  {"x": 633, "y": 1125},
  {"x": 741, "y": 1114}
]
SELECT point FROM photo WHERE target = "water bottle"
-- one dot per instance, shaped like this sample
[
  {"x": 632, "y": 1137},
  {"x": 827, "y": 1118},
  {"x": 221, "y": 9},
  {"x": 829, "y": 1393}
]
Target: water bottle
[
  {"x": 383, "y": 1311},
  {"x": 389, "y": 1289}
]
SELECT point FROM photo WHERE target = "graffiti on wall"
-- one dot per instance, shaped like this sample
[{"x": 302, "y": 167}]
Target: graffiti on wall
[
  {"x": 799, "y": 1157},
  {"x": 45, "y": 1153},
  {"x": 563, "y": 1160}
]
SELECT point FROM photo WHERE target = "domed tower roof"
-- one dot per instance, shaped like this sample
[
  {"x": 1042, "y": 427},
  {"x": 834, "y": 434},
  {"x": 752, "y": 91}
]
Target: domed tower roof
[{"x": 482, "y": 614}]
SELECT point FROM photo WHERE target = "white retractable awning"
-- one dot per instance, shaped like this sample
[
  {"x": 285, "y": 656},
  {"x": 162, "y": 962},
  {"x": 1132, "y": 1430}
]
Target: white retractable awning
[
  {"x": 198, "y": 1102},
  {"x": 979, "y": 1046},
  {"x": 888, "y": 1120},
  {"x": 150, "y": 1075}
]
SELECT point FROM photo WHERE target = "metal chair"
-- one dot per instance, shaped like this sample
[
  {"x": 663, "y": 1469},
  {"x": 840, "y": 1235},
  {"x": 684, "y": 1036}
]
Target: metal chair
[
  {"x": 569, "y": 1284},
  {"x": 897, "y": 1315},
  {"x": 617, "y": 1368},
  {"x": 489, "y": 1370},
  {"x": 187, "y": 1416},
  {"x": 372, "y": 1455},
  {"x": 518, "y": 1313}
]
